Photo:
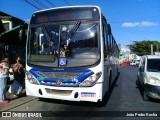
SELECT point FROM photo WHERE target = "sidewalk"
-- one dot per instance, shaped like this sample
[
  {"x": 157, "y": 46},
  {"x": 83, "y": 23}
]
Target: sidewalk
[{"x": 15, "y": 101}]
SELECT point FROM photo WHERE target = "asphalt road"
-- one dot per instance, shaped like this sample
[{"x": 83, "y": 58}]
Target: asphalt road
[{"x": 123, "y": 96}]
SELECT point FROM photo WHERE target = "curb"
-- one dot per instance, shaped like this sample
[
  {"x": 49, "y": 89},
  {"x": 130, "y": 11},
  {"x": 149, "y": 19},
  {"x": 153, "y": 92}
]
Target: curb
[{"x": 15, "y": 102}]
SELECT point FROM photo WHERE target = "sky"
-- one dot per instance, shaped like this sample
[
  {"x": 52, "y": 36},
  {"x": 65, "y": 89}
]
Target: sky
[{"x": 130, "y": 20}]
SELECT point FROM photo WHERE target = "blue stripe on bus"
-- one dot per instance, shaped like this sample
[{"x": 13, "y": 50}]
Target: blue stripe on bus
[
  {"x": 43, "y": 70},
  {"x": 71, "y": 82},
  {"x": 81, "y": 78},
  {"x": 68, "y": 85}
]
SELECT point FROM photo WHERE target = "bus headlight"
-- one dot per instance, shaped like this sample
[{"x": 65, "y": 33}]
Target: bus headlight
[
  {"x": 91, "y": 80},
  {"x": 31, "y": 78},
  {"x": 153, "y": 80}
]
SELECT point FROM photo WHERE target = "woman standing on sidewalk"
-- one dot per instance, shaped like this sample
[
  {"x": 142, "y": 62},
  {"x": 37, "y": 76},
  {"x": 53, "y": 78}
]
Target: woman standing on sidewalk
[
  {"x": 4, "y": 71},
  {"x": 18, "y": 84}
]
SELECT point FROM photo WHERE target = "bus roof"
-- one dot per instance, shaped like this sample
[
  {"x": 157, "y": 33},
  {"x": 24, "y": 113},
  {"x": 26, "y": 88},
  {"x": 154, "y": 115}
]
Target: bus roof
[
  {"x": 61, "y": 13},
  {"x": 69, "y": 7}
]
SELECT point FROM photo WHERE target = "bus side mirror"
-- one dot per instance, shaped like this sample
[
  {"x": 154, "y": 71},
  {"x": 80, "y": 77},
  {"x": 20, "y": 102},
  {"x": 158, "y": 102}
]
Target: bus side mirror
[
  {"x": 108, "y": 29},
  {"x": 22, "y": 34}
]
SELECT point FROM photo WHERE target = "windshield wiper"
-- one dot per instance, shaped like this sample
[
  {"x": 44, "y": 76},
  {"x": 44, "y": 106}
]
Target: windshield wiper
[{"x": 74, "y": 29}]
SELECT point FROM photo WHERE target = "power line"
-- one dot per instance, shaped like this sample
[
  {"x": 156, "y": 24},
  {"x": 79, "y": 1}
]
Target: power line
[
  {"x": 67, "y": 2},
  {"x": 50, "y": 3},
  {"x": 32, "y": 4},
  {"x": 40, "y": 3}
]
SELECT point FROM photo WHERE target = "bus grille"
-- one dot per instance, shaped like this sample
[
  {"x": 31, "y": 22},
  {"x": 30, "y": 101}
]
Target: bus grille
[
  {"x": 59, "y": 92},
  {"x": 66, "y": 75}
]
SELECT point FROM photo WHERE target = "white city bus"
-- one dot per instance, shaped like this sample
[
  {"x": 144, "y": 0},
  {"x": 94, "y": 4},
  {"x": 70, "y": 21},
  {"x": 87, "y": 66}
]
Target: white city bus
[{"x": 71, "y": 54}]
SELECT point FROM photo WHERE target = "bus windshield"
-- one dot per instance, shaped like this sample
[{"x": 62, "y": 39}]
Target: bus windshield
[{"x": 75, "y": 43}]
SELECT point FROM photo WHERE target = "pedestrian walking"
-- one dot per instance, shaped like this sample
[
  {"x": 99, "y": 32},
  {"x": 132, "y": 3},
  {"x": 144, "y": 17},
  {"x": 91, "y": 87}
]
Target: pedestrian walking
[
  {"x": 4, "y": 73},
  {"x": 19, "y": 74}
]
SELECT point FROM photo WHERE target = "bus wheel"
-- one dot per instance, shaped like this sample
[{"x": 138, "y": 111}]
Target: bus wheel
[
  {"x": 110, "y": 79},
  {"x": 42, "y": 99},
  {"x": 100, "y": 103}
]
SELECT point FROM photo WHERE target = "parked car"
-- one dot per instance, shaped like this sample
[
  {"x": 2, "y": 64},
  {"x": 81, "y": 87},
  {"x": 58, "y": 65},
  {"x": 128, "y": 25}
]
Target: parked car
[
  {"x": 133, "y": 62},
  {"x": 148, "y": 77}
]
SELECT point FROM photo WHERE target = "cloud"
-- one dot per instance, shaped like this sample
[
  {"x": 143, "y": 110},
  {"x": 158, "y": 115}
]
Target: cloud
[{"x": 139, "y": 24}]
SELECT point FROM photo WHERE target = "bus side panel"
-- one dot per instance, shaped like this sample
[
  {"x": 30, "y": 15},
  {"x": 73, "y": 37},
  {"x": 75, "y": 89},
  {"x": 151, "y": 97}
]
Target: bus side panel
[{"x": 106, "y": 78}]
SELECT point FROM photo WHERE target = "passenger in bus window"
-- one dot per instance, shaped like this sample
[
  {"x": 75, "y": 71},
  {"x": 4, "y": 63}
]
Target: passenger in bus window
[
  {"x": 49, "y": 49},
  {"x": 52, "y": 48},
  {"x": 64, "y": 52}
]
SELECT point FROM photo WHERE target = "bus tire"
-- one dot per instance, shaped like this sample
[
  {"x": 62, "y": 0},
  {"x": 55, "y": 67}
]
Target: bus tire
[
  {"x": 42, "y": 99},
  {"x": 110, "y": 79}
]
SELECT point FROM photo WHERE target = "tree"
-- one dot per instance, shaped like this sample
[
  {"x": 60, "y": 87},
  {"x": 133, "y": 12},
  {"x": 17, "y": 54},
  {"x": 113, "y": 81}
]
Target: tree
[{"x": 144, "y": 47}]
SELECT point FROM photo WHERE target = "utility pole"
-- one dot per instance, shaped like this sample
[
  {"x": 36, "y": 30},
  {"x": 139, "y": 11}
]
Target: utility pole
[
  {"x": 157, "y": 48},
  {"x": 151, "y": 49}
]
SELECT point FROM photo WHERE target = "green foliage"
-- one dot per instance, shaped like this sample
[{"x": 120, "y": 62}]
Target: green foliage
[{"x": 144, "y": 47}]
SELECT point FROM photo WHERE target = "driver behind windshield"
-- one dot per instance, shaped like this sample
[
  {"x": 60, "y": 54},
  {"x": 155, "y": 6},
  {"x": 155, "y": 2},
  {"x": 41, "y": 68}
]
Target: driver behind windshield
[{"x": 49, "y": 48}]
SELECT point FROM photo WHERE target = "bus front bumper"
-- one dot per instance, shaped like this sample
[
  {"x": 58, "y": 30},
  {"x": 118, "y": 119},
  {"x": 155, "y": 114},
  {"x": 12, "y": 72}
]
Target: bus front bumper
[{"x": 92, "y": 94}]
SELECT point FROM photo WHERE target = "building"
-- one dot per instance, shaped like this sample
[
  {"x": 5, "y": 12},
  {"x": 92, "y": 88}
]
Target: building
[
  {"x": 124, "y": 55},
  {"x": 12, "y": 36},
  {"x": 9, "y": 22}
]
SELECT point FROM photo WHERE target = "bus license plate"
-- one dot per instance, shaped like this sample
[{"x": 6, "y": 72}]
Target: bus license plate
[{"x": 88, "y": 94}]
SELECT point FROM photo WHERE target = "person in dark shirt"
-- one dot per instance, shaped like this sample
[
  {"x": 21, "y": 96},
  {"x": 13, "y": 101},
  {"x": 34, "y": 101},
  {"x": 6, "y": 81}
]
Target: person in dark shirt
[
  {"x": 48, "y": 49},
  {"x": 19, "y": 75}
]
